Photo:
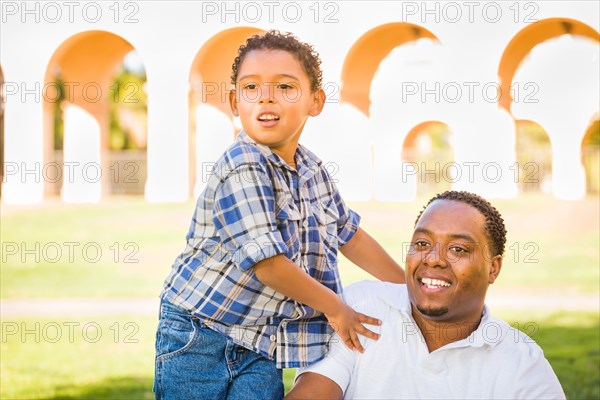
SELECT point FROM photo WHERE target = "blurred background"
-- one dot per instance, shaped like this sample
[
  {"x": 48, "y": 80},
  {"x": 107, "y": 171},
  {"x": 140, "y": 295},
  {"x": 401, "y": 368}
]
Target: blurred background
[{"x": 113, "y": 114}]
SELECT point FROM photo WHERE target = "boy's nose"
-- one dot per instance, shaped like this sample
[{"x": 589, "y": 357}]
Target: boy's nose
[{"x": 266, "y": 93}]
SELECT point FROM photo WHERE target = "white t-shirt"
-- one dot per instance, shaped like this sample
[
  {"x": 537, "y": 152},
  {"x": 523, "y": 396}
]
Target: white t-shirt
[{"x": 495, "y": 362}]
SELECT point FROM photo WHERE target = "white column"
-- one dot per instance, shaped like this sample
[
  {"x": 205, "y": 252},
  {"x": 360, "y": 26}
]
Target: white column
[
  {"x": 82, "y": 170},
  {"x": 340, "y": 137},
  {"x": 568, "y": 175},
  {"x": 168, "y": 129},
  {"x": 23, "y": 136},
  {"x": 214, "y": 133}
]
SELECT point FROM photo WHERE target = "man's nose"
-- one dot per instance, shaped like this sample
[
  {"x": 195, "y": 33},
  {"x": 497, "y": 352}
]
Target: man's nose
[{"x": 436, "y": 257}]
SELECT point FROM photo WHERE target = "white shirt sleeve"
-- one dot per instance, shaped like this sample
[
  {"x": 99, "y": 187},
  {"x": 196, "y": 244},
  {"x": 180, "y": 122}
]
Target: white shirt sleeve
[
  {"x": 337, "y": 365},
  {"x": 536, "y": 379}
]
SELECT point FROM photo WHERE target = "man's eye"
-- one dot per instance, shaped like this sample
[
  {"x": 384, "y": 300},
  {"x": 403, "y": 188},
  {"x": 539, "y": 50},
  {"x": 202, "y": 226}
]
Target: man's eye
[
  {"x": 457, "y": 249},
  {"x": 421, "y": 243}
]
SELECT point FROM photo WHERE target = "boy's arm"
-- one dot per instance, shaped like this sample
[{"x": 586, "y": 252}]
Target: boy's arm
[
  {"x": 365, "y": 252},
  {"x": 283, "y": 275}
]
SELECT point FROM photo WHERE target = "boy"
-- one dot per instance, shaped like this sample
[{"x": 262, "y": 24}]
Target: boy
[{"x": 257, "y": 286}]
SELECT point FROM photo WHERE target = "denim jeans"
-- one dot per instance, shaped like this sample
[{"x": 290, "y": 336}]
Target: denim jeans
[{"x": 195, "y": 362}]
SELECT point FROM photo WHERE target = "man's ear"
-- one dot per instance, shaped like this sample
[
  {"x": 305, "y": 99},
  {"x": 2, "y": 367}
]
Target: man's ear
[
  {"x": 318, "y": 103},
  {"x": 495, "y": 269},
  {"x": 233, "y": 103}
]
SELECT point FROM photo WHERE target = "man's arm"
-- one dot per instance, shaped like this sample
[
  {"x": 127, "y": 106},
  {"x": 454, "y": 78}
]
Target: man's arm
[
  {"x": 365, "y": 252},
  {"x": 281, "y": 274},
  {"x": 311, "y": 385}
]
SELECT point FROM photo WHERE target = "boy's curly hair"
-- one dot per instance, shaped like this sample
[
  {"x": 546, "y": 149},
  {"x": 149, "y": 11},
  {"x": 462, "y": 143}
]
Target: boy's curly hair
[
  {"x": 494, "y": 228},
  {"x": 275, "y": 40}
]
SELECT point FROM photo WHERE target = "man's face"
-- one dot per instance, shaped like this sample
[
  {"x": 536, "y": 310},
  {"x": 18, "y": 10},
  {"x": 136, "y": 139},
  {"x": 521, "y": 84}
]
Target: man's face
[
  {"x": 273, "y": 99},
  {"x": 449, "y": 265}
]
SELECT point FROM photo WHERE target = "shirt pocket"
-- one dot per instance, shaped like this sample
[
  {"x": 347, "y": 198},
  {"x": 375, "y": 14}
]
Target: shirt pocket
[
  {"x": 288, "y": 219},
  {"x": 327, "y": 216}
]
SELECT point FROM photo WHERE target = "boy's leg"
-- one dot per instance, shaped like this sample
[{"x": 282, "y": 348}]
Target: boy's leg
[
  {"x": 254, "y": 376},
  {"x": 190, "y": 361}
]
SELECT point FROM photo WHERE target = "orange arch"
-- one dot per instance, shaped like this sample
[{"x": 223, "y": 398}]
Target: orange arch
[
  {"x": 85, "y": 60},
  {"x": 591, "y": 134},
  {"x": 211, "y": 68},
  {"x": 89, "y": 57},
  {"x": 366, "y": 54},
  {"x": 529, "y": 37},
  {"x": 413, "y": 134}
]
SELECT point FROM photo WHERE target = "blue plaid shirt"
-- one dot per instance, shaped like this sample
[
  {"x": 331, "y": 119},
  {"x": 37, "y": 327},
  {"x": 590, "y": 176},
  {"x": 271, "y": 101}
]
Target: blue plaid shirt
[{"x": 254, "y": 207}]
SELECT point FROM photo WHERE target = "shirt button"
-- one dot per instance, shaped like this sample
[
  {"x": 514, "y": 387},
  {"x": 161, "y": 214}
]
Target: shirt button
[
  {"x": 273, "y": 338},
  {"x": 305, "y": 223}
]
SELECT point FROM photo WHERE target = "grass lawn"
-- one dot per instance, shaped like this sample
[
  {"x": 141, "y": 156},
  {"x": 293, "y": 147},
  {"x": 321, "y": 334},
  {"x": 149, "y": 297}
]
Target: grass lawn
[
  {"x": 125, "y": 247},
  {"x": 112, "y": 357}
]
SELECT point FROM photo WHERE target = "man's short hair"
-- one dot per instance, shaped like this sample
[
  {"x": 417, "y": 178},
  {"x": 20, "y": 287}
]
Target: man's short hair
[
  {"x": 494, "y": 228},
  {"x": 275, "y": 40}
]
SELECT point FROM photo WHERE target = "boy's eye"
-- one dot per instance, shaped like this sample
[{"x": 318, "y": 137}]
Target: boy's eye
[
  {"x": 284, "y": 86},
  {"x": 250, "y": 86}
]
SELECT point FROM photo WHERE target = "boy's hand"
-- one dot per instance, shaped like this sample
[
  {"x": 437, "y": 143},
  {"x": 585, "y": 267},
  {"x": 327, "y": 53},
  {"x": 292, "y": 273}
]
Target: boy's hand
[
  {"x": 349, "y": 323},
  {"x": 282, "y": 275}
]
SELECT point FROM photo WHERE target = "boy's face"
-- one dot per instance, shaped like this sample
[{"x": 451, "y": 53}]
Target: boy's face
[{"x": 273, "y": 100}]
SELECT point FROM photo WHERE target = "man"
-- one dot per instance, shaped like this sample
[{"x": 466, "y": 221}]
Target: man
[{"x": 438, "y": 339}]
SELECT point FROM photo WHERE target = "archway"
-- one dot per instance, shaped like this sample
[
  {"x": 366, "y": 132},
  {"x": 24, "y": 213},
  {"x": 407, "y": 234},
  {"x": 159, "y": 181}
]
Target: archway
[
  {"x": 81, "y": 93},
  {"x": 428, "y": 152},
  {"x": 128, "y": 135},
  {"x": 533, "y": 169},
  {"x": 523, "y": 42},
  {"x": 366, "y": 54},
  {"x": 553, "y": 57},
  {"x": 590, "y": 157},
  {"x": 371, "y": 85},
  {"x": 211, "y": 121}
]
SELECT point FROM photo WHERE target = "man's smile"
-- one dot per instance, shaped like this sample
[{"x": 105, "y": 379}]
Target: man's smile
[{"x": 434, "y": 284}]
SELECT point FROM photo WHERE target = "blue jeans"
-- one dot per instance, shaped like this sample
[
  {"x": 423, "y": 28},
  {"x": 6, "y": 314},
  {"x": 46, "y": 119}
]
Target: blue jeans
[{"x": 195, "y": 362}]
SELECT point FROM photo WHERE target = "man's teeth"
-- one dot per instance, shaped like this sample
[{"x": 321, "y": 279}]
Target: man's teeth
[
  {"x": 268, "y": 117},
  {"x": 434, "y": 283}
]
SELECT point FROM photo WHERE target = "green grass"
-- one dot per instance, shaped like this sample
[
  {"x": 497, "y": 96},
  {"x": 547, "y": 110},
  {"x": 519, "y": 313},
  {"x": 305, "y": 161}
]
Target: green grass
[
  {"x": 52, "y": 251},
  {"x": 561, "y": 240},
  {"x": 551, "y": 245},
  {"x": 116, "y": 361},
  {"x": 73, "y": 358}
]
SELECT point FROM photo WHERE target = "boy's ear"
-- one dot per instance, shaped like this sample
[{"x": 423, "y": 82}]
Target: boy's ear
[
  {"x": 495, "y": 269},
  {"x": 318, "y": 103},
  {"x": 233, "y": 103}
]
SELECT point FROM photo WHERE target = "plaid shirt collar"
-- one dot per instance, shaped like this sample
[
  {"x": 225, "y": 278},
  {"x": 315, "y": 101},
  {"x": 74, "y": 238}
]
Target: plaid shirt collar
[{"x": 308, "y": 163}]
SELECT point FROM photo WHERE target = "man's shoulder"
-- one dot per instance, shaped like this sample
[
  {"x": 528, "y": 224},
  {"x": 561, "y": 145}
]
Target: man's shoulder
[
  {"x": 375, "y": 293},
  {"x": 510, "y": 340},
  {"x": 518, "y": 359},
  {"x": 517, "y": 341}
]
